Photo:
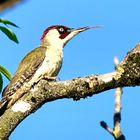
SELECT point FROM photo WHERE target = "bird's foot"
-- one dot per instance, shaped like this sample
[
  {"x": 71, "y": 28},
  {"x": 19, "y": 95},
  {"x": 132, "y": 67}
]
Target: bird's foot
[{"x": 48, "y": 78}]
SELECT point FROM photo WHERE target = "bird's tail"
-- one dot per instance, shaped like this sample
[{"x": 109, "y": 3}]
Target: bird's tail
[{"x": 3, "y": 105}]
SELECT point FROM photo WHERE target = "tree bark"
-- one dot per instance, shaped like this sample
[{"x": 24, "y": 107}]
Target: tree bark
[{"x": 126, "y": 74}]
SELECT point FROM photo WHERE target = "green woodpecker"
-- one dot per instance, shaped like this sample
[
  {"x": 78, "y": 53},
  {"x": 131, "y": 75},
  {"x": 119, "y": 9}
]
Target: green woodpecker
[{"x": 44, "y": 61}]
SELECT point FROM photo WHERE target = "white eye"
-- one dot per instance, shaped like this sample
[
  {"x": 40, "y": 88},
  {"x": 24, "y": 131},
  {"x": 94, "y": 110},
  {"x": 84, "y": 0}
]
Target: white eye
[{"x": 61, "y": 29}]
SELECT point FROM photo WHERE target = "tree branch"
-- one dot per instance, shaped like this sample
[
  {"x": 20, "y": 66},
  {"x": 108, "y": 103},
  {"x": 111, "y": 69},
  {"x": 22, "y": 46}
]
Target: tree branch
[
  {"x": 127, "y": 74},
  {"x": 4, "y": 4},
  {"x": 116, "y": 131}
]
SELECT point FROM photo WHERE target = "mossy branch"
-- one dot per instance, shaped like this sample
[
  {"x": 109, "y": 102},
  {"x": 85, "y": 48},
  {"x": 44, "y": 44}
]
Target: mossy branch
[{"x": 127, "y": 74}]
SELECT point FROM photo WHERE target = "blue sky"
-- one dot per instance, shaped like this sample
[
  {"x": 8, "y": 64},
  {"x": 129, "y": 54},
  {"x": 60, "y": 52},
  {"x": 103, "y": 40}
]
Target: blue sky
[{"x": 91, "y": 52}]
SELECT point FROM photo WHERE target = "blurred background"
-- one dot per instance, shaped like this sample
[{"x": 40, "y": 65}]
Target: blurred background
[{"x": 91, "y": 52}]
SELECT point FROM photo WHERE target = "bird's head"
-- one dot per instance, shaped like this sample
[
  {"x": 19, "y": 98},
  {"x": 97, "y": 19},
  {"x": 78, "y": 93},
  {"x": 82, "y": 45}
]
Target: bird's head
[{"x": 59, "y": 35}]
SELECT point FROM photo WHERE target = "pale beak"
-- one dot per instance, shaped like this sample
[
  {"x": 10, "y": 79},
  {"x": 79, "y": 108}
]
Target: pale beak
[
  {"x": 78, "y": 30},
  {"x": 74, "y": 32}
]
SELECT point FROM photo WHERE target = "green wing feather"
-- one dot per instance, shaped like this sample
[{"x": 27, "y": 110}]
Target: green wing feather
[{"x": 26, "y": 69}]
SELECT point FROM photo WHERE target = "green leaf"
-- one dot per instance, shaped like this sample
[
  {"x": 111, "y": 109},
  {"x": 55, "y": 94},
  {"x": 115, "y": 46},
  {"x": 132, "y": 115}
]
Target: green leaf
[
  {"x": 7, "y": 22},
  {"x": 6, "y": 73},
  {"x": 1, "y": 82},
  {"x": 11, "y": 35}
]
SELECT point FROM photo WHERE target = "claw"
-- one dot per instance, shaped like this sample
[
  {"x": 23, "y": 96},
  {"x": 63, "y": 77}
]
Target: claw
[{"x": 50, "y": 78}]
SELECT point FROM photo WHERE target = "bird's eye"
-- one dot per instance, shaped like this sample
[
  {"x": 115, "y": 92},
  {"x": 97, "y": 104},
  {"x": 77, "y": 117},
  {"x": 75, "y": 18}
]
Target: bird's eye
[{"x": 61, "y": 30}]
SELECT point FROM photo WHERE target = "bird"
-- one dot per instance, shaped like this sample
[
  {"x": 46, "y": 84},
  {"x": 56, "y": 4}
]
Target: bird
[{"x": 43, "y": 61}]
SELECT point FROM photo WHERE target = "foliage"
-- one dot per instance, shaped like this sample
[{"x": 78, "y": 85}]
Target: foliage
[
  {"x": 11, "y": 35},
  {"x": 7, "y": 31}
]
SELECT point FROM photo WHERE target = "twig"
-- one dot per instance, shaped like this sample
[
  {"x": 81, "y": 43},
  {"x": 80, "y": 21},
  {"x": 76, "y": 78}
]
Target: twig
[{"x": 116, "y": 131}]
